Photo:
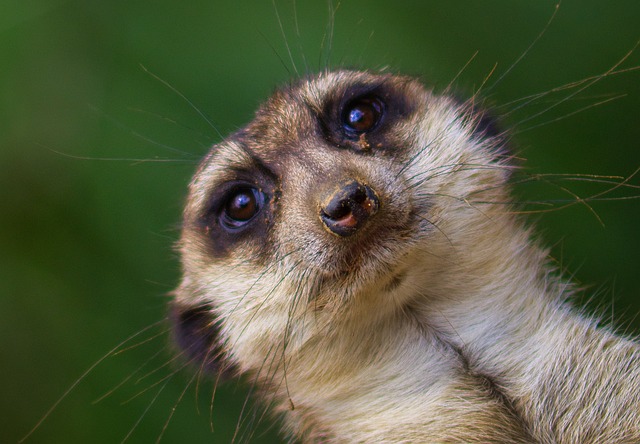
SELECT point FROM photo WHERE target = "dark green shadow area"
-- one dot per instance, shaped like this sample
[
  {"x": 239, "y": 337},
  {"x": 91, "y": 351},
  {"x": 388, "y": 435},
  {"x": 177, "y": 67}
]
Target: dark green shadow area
[{"x": 96, "y": 154}]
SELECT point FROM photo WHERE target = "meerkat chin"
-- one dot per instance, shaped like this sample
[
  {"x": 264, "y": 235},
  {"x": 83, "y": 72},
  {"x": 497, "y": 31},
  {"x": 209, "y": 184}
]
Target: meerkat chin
[{"x": 351, "y": 250}]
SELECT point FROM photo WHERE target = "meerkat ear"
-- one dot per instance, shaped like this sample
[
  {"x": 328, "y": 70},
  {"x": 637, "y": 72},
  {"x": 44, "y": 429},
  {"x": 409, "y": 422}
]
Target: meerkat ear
[{"x": 197, "y": 333}]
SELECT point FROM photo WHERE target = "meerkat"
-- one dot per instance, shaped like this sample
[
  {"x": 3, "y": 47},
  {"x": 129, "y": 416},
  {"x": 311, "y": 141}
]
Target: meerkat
[{"x": 350, "y": 249}]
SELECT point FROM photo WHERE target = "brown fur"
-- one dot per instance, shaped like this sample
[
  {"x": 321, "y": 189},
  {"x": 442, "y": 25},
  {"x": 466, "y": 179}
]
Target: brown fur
[{"x": 439, "y": 320}]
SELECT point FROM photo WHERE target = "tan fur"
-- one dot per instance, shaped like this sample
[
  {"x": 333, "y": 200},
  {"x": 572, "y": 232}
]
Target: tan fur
[{"x": 439, "y": 321}]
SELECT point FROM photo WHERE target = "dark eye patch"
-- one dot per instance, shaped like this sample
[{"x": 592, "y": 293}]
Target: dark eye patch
[
  {"x": 237, "y": 214},
  {"x": 361, "y": 116}
]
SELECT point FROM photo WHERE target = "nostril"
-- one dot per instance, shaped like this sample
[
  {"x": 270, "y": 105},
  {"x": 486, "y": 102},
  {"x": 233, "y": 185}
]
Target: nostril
[
  {"x": 349, "y": 208},
  {"x": 337, "y": 209}
]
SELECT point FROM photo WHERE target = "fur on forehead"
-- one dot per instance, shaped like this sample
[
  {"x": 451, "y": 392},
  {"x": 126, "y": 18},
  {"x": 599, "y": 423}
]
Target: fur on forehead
[
  {"x": 290, "y": 113},
  {"x": 220, "y": 163}
]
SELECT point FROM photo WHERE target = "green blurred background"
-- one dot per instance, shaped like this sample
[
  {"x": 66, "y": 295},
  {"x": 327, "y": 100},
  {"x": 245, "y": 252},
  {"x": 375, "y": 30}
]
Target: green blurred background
[{"x": 96, "y": 153}]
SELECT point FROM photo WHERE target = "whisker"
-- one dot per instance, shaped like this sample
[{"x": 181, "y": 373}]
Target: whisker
[
  {"x": 131, "y": 160},
  {"x": 174, "y": 122},
  {"x": 582, "y": 201},
  {"x": 83, "y": 376},
  {"x": 582, "y": 88},
  {"x": 157, "y": 369},
  {"x": 284, "y": 37},
  {"x": 441, "y": 170},
  {"x": 155, "y": 384},
  {"x": 332, "y": 26},
  {"x": 343, "y": 57},
  {"x": 475, "y": 95},
  {"x": 529, "y": 48},
  {"x": 459, "y": 73},
  {"x": 173, "y": 409},
  {"x": 567, "y": 86},
  {"x": 297, "y": 28},
  {"x": 274, "y": 360},
  {"x": 262, "y": 274},
  {"x": 270, "y": 358},
  {"x": 289, "y": 327},
  {"x": 182, "y": 96},
  {"x": 434, "y": 225},
  {"x": 144, "y": 413},
  {"x": 128, "y": 378},
  {"x": 557, "y": 119},
  {"x": 275, "y": 52},
  {"x": 140, "y": 136},
  {"x": 146, "y": 341}
]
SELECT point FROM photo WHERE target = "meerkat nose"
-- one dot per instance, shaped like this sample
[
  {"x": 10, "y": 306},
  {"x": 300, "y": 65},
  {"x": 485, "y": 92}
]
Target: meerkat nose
[{"x": 348, "y": 208}]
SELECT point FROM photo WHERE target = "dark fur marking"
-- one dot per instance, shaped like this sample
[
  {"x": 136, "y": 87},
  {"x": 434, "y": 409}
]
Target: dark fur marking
[
  {"x": 486, "y": 126},
  {"x": 198, "y": 334},
  {"x": 396, "y": 106},
  {"x": 220, "y": 241}
]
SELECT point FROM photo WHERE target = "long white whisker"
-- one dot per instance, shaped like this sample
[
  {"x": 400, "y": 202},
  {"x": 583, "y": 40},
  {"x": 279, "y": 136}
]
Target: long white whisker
[{"x": 84, "y": 375}]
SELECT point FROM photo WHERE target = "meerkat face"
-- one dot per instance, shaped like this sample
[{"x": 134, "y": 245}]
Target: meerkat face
[{"x": 319, "y": 210}]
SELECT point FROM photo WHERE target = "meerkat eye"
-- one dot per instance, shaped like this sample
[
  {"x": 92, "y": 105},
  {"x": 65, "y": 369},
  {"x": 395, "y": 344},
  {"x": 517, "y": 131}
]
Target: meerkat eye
[
  {"x": 241, "y": 206},
  {"x": 362, "y": 115}
]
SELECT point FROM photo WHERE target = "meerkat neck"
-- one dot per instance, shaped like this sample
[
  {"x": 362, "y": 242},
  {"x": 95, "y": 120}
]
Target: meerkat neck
[
  {"x": 383, "y": 390},
  {"x": 555, "y": 365}
]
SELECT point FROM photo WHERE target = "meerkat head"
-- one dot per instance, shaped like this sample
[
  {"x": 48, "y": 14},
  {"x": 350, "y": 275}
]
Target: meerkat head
[{"x": 328, "y": 210}]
